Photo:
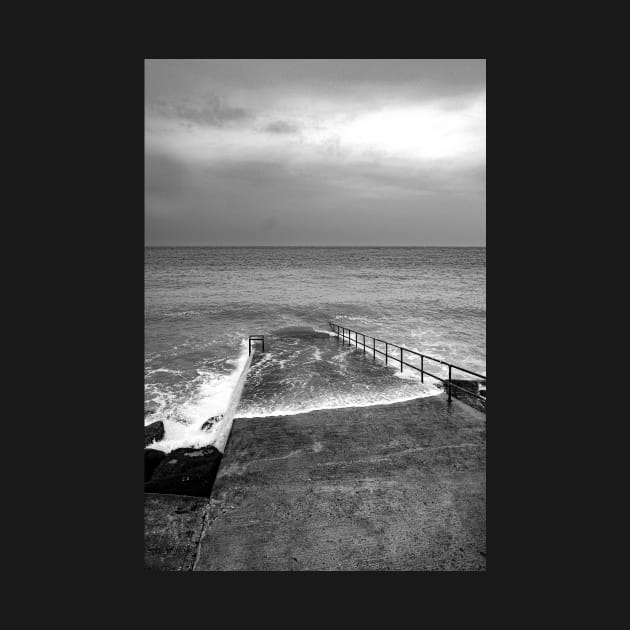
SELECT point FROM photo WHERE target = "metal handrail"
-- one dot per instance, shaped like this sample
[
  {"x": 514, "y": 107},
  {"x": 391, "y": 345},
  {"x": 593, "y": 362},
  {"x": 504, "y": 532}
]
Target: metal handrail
[
  {"x": 402, "y": 349},
  {"x": 256, "y": 338}
]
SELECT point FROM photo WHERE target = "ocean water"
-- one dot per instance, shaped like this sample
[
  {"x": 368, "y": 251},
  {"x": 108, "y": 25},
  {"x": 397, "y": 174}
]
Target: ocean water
[{"x": 202, "y": 303}]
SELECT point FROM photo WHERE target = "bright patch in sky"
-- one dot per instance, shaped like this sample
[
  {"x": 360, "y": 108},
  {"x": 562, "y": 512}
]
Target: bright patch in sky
[{"x": 414, "y": 133}]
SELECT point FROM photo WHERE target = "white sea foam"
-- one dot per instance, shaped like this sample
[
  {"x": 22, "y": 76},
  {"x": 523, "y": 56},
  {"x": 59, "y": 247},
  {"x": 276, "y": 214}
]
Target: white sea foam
[
  {"x": 160, "y": 401},
  {"x": 167, "y": 370},
  {"x": 336, "y": 403},
  {"x": 211, "y": 397},
  {"x": 328, "y": 332}
]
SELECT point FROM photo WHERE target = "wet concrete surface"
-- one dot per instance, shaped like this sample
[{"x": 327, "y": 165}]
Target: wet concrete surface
[
  {"x": 388, "y": 487},
  {"x": 172, "y": 528}
]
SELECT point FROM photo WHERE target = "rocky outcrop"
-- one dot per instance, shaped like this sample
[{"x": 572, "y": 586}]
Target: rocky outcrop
[
  {"x": 186, "y": 471},
  {"x": 152, "y": 459},
  {"x": 153, "y": 432}
]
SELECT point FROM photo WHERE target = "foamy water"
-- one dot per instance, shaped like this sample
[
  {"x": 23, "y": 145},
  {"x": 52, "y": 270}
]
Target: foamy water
[{"x": 183, "y": 428}]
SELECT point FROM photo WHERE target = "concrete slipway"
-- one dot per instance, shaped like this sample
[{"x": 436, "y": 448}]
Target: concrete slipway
[{"x": 387, "y": 487}]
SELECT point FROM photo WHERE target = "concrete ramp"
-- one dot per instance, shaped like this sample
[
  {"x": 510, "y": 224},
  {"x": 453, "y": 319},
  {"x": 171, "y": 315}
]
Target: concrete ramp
[{"x": 388, "y": 487}]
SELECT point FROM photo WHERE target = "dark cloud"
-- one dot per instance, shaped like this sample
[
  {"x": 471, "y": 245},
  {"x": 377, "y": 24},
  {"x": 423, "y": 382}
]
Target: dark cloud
[
  {"x": 281, "y": 126},
  {"x": 212, "y": 111},
  {"x": 440, "y": 76}
]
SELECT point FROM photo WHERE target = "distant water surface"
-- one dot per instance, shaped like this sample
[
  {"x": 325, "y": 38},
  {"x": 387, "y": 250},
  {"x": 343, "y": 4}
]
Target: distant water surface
[{"x": 201, "y": 303}]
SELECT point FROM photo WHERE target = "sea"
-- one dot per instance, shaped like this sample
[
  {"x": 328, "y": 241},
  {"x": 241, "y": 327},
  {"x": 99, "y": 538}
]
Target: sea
[{"x": 203, "y": 303}]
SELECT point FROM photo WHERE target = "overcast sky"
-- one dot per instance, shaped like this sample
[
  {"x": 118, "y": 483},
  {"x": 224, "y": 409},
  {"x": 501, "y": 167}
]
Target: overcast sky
[{"x": 315, "y": 152}]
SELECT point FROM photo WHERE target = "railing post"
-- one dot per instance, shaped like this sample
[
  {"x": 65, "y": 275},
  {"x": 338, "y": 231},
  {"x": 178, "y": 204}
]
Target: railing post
[
  {"x": 386, "y": 351},
  {"x": 263, "y": 343},
  {"x": 363, "y": 343},
  {"x": 401, "y": 359},
  {"x": 374, "y": 348},
  {"x": 422, "y": 368},
  {"x": 449, "y": 383},
  {"x": 250, "y": 346}
]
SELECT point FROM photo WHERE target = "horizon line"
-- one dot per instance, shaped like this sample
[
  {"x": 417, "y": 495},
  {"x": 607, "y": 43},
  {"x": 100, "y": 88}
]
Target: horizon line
[{"x": 372, "y": 246}]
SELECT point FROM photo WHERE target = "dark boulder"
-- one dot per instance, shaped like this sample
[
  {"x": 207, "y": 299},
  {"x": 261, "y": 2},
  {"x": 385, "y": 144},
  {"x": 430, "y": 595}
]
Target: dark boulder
[
  {"x": 153, "y": 432},
  {"x": 210, "y": 422},
  {"x": 186, "y": 471},
  {"x": 152, "y": 459}
]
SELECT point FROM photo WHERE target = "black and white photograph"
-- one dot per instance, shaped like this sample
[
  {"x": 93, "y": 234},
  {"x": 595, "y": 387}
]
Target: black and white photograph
[{"x": 314, "y": 315}]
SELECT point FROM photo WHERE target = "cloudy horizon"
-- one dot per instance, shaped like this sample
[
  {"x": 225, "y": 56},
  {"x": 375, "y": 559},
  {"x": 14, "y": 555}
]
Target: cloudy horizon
[{"x": 315, "y": 152}]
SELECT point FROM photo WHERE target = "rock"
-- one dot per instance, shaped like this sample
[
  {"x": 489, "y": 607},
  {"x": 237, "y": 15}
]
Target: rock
[
  {"x": 152, "y": 459},
  {"x": 471, "y": 386},
  {"x": 210, "y": 422},
  {"x": 186, "y": 471},
  {"x": 153, "y": 432}
]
